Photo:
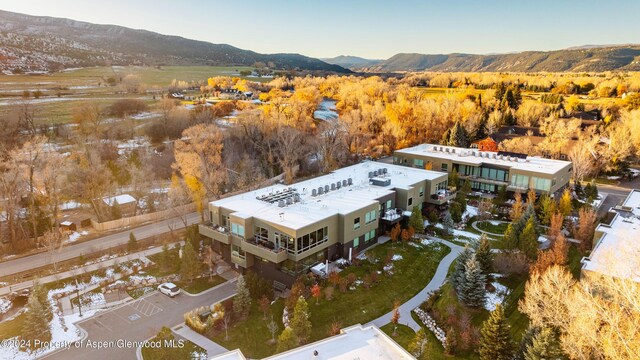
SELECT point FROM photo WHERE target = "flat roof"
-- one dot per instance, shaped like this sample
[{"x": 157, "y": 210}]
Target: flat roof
[
  {"x": 121, "y": 199},
  {"x": 617, "y": 253},
  {"x": 310, "y": 209},
  {"x": 477, "y": 158},
  {"x": 355, "y": 342}
]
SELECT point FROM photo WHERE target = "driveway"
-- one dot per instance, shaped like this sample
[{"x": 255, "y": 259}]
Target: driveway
[
  {"x": 102, "y": 243},
  {"x": 138, "y": 320}
]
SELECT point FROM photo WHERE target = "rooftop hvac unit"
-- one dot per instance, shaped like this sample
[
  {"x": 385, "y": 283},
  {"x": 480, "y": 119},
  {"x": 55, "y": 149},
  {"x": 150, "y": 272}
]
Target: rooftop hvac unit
[
  {"x": 375, "y": 173},
  {"x": 349, "y": 181},
  {"x": 296, "y": 198},
  {"x": 493, "y": 156},
  {"x": 314, "y": 192},
  {"x": 446, "y": 150},
  {"x": 289, "y": 201},
  {"x": 333, "y": 186},
  {"x": 453, "y": 151},
  {"x": 371, "y": 174},
  {"x": 385, "y": 170},
  {"x": 320, "y": 190},
  {"x": 338, "y": 184},
  {"x": 280, "y": 203},
  {"x": 326, "y": 188}
]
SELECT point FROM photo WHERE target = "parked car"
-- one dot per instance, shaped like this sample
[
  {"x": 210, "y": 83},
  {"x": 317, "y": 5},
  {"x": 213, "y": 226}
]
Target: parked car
[{"x": 169, "y": 289}]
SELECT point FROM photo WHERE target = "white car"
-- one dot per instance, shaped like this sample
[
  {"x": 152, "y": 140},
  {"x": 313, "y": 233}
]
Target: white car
[{"x": 169, "y": 289}]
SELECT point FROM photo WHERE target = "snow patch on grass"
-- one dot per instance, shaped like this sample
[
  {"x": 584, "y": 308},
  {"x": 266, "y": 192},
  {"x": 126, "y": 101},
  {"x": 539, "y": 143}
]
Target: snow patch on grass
[{"x": 496, "y": 297}]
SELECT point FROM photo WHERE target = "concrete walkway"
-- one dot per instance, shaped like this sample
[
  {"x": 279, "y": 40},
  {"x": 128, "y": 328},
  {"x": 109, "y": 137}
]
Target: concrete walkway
[
  {"x": 475, "y": 226},
  {"x": 85, "y": 269},
  {"x": 436, "y": 282},
  {"x": 211, "y": 347}
]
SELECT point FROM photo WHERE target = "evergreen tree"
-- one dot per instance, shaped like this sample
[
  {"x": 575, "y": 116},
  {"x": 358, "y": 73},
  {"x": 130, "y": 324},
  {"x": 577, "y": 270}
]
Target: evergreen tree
[
  {"x": 528, "y": 241},
  {"x": 472, "y": 289},
  {"x": 527, "y": 340},
  {"x": 458, "y": 274},
  {"x": 300, "y": 323},
  {"x": 484, "y": 255},
  {"x": 242, "y": 300},
  {"x": 36, "y": 325},
  {"x": 447, "y": 222},
  {"x": 501, "y": 196},
  {"x": 495, "y": 340},
  {"x": 189, "y": 265},
  {"x": 132, "y": 245},
  {"x": 287, "y": 340},
  {"x": 544, "y": 345},
  {"x": 455, "y": 209},
  {"x": 453, "y": 178},
  {"x": 510, "y": 238},
  {"x": 193, "y": 236},
  {"x": 416, "y": 221},
  {"x": 577, "y": 188},
  {"x": 547, "y": 209},
  {"x": 458, "y": 136},
  {"x": 41, "y": 294},
  {"x": 481, "y": 130}
]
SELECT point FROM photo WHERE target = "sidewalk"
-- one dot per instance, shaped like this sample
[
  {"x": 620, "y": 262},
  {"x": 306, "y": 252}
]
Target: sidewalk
[
  {"x": 71, "y": 273},
  {"x": 211, "y": 347},
  {"x": 436, "y": 282}
]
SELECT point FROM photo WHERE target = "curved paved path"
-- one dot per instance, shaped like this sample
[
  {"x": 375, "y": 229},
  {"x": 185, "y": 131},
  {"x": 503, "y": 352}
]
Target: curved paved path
[
  {"x": 436, "y": 282},
  {"x": 475, "y": 226}
]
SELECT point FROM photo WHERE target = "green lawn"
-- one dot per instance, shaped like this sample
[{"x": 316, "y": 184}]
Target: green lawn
[
  {"x": 11, "y": 328},
  {"x": 164, "y": 266},
  {"x": 489, "y": 227},
  {"x": 411, "y": 274},
  {"x": 405, "y": 334},
  {"x": 199, "y": 285},
  {"x": 252, "y": 335}
]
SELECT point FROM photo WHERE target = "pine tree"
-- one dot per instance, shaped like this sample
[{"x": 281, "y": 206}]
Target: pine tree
[
  {"x": 458, "y": 274},
  {"x": 242, "y": 300},
  {"x": 36, "y": 325},
  {"x": 510, "y": 238},
  {"x": 544, "y": 345},
  {"x": 189, "y": 265},
  {"x": 484, "y": 255},
  {"x": 287, "y": 340},
  {"x": 447, "y": 222},
  {"x": 528, "y": 241},
  {"x": 458, "y": 136},
  {"x": 495, "y": 340},
  {"x": 416, "y": 221},
  {"x": 453, "y": 178},
  {"x": 41, "y": 294},
  {"x": 527, "y": 340},
  {"x": 472, "y": 289},
  {"x": 300, "y": 323},
  {"x": 577, "y": 188},
  {"x": 132, "y": 245}
]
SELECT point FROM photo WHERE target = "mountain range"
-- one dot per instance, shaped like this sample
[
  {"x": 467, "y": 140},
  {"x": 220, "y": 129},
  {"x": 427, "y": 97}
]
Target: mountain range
[
  {"x": 40, "y": 43},
  {"x": 589, "y": 58}
]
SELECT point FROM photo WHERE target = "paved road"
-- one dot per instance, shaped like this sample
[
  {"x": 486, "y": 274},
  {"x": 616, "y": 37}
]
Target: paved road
[
  {"x": 34, "y": 261},
  {"x": 138, "y": 321},
  {"x": 436, "y": 282}
]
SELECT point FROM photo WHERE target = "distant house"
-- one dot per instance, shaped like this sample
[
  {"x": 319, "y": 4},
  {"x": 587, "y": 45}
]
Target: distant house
[
  {"x": 176, "y": 95},
  {"x": 125, "y": 202},
  {"x": 234, "y": 94}
]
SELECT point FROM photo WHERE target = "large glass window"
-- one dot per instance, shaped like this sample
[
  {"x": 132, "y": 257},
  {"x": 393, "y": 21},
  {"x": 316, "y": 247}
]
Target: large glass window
[
  {"x": 356, "y": 223},
  {"x": 310, "y": 240},
  {"x": 261, "y": 233},
  {"x": 356, "y": 242},
  {"x": 388, "y": 204},
  {"x": 444, "y": 167},
  {"x": 237, "y": 229},
  {"x": 442, "y": 185},
  {"x": 237, "y": 251},
  {"x": 370, "y": 235},
  {"x": 520, "y": 181},
  {"x": 419, "y": 163},
  {"x": 541, "y": 183},
  {"x": 370, "y": 217}
]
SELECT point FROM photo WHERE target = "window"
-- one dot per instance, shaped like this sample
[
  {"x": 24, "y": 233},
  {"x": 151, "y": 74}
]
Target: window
[
  {"x": 395, "y": 159},
  {"x": 370, "y": 217},
  {"x": 418, "y": 163},
  {"x": 410, "y": 201},
  {"x": 237, "y": 229},
  {"x": 388, "y": 204},
  {"x": 285, "y": 241},
  {"x": 421, "y": 191},
  {"x": 356, "y": 242},
  {"x": 372, "y": 235},
  {"x": 541, "y": 183},
  {"x": 308, "y": 241},
  {"x": 261, "y": 233},
  {"x": 366, "y": 237},
  {"x": 236, "y": 251},
  {"x": 442, "y": 185},
  {"x": 520, "y": 181},
  {"x": 356, "y": 223},
  {"x": 444, "y": 167}
]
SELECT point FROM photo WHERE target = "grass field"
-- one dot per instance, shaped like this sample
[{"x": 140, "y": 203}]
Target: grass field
[
  {"x": 361, "y": 305},
  {"x": 200, "y": 284},
  {"x": 12, "y": 328}
]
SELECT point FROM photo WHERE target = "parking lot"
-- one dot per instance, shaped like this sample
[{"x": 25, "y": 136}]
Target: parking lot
[{"x": 139, "y": 320}]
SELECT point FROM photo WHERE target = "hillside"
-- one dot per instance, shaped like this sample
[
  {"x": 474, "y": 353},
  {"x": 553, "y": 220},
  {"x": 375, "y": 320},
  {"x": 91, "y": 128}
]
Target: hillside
[
  {"x": 351, "y": 62},
  {"x": 38, "y": 43},
  {"x": 626, "y": 58}
]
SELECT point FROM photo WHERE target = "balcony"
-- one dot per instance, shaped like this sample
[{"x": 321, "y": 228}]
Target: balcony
[
  {"x": 242, "y": 261},
  {"x": 441, "y": 197},
  {"x": 392, "y": 215},
  {"x": 217, "y": 233},
  {"x": 264, "y": 249},
  {"x": 483, "y": 180}
]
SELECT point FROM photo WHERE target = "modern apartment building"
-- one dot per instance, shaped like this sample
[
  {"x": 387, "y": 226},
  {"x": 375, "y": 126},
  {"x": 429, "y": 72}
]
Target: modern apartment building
[
  {"x": 282, "y": 230},
  {"x": 616, "y": 251},
  {"x": 488, "y": 171}
]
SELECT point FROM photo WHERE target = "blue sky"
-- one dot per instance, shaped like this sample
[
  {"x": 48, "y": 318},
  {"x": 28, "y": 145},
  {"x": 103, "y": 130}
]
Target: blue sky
[{"x": 372, "y": 29}]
